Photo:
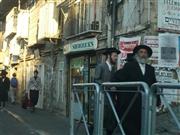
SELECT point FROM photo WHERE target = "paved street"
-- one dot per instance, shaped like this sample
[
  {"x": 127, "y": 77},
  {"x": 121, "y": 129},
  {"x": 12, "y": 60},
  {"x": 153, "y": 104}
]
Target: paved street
[{"x": 17, "y": 121}]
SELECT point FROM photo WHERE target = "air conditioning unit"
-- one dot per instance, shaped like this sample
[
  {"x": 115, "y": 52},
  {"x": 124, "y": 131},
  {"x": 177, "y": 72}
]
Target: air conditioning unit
[
  {"x": 22, "y": 21},
  {"x": 11, "y": 22},
  {"x": 95, "y": 25},
  {"x": 48, "y": 21}
]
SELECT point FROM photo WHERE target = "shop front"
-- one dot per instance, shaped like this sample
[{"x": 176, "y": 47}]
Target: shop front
[{"x": 82, "y": 60}]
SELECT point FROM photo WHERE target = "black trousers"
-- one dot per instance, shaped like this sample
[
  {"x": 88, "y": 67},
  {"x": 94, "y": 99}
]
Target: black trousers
[{"x": 34, "y": 96}]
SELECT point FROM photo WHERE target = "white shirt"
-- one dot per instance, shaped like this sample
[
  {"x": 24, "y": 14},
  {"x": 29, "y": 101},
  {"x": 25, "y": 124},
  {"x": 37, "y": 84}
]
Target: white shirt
[
  {"x": 142, "y": 66},
  {"x": 109, "y": 65}
]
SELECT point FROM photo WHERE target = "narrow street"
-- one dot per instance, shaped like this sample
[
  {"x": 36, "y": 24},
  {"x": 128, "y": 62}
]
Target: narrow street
[{"x": 17, "y": 121}]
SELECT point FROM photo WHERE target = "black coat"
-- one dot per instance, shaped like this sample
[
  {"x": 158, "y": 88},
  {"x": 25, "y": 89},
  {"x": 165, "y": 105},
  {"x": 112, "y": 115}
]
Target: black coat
[
  {"x": 4, "y": 88},
  {"x": 132, "y": 72}
]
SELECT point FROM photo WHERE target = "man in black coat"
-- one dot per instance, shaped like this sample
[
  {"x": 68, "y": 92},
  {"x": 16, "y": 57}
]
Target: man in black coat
[
  {"x": 135, "y": 70},
  {"x": 4, "y": 88}
]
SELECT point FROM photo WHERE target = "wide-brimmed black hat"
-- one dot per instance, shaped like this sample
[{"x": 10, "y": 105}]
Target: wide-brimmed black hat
[
  {"x": 137, "y": 48},
  {"x": 110, "y": 50},
  {"x": 3, "y": 72}
]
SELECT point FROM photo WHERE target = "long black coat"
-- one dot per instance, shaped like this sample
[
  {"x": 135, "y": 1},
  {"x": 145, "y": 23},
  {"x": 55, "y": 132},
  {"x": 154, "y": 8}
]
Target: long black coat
[
  {"x": 4, "y": 88},
  {"x": 132, "y": 72}
]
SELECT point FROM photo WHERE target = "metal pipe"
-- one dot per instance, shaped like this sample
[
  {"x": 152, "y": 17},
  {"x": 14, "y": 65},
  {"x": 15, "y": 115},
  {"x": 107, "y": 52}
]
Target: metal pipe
[
  {"x": 115, "y": 113},
  {"x": 149, "y": 11},
  {"x": 97, "y": 113},
  {"x": 171, "y": 112},
  {"x": 145, "y": 97},
  {"x": 83, "y": 116},
  {"x": 113, "y": 22},
  {"x": 169, "y": 86}
]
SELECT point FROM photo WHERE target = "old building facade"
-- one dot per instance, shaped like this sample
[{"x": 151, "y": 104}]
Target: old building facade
[{"x": 64, "y": 40}]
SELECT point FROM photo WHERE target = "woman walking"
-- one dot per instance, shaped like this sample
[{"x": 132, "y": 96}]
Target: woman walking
[{"x": 34, "y": 87}]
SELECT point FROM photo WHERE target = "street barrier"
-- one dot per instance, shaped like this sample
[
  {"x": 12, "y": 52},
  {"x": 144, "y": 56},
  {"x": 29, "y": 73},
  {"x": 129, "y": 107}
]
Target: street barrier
[
  {"x": 100, "y": 91},
  {"x": 157, "y": 89},
  {"x": 83, "y": 88},
  {"x": 142, "y": 88}
]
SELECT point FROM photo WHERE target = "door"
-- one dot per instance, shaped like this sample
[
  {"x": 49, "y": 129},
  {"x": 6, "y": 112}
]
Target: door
[{"x": 79, "y": 72}]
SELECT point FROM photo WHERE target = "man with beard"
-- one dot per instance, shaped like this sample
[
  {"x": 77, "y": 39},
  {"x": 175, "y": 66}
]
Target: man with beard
[
  {"x": 103, "y": 73},
  {"x": 136, "y": 70}
]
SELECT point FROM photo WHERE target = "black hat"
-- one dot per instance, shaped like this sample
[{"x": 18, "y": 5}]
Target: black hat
[
  {"x": 3, "y": 72},
  {"x": 110, "y": 50},
  {"x": 137, "y": 48}
]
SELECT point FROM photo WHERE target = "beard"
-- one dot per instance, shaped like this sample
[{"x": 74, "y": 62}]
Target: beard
[
  {"x": 112, "y": 62},
  {"x": 141, "y": 60}
]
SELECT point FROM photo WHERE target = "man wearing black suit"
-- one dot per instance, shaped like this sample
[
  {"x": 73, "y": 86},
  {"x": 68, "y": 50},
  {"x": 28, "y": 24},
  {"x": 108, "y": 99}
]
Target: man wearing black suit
[
  {"x": 136, "y": 70},
  {"x": 103, "y": 73}
]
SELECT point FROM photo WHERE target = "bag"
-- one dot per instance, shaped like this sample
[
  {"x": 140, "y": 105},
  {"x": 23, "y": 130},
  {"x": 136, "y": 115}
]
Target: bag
[{"x": 26, "y": 102}]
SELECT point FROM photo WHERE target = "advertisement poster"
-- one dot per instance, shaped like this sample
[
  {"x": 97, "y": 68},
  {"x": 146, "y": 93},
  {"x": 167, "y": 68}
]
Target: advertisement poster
[
  {"x": 168, "y": 14},
  {"x": 126, "y": 46},
  {"x": 168, "y": 75},
  {"x": 168, "y": 50},
  {"x": 153, "y": 43}
]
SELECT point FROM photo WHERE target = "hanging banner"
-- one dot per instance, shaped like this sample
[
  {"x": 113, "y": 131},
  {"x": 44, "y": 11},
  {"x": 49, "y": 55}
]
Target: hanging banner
[
  {"x": 152, "y": 42},
  {"x": 168, "y": 14},
  {"x": 126, "y": 46},
  {"x": 168, "y": 50}
]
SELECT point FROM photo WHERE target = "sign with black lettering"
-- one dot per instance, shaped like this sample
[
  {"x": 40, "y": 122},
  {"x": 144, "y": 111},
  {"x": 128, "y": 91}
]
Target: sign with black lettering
[
  {"x": 82, "y": 45},
  {"x": 168, "y": 14}
]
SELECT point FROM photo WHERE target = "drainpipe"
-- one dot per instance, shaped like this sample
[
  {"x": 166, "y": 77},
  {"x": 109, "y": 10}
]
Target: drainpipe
[
  {"x": 149, "y": 11},
  {"x": 113, "y": 22},
  {"x": 24, "y": 66},
  {"x": 94, "y": 11}
]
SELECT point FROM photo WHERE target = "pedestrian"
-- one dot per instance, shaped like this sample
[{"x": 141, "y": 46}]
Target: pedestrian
[
  {"x": 135, "y": 70},
  {"x": 13, "y": 88},
  {"x": 4, "y": 88},
  {"x": 34, "y": 87},
  {"x": 103, "y": 73}
]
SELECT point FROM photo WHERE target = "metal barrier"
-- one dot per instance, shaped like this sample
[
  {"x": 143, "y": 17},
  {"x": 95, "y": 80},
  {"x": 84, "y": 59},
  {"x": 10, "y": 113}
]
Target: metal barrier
[
  {"x": 96, "y": 130},
  {"x": 143, "y": 88},
  {"x": 157, "y": 89}
]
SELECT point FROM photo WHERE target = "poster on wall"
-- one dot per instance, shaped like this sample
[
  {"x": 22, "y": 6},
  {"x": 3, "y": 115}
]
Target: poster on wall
[
  {"x": 152, "y": 42},
  {"x": 168, "y": 75},
  {"x": 168, "y": 50},
  {"x": 126, "y": 46},
  {"x": 168, "y": 14}
]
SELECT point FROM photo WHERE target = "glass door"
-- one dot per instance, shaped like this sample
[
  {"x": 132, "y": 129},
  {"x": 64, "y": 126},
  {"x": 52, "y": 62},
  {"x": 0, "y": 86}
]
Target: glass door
[{"x": 79, "y": 74}]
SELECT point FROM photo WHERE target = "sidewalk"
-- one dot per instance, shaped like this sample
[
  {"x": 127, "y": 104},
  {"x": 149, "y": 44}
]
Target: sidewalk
[{"x": 40, "y": 122}]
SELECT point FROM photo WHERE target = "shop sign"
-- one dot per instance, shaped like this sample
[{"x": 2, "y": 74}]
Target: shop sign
[
  {"x": 82, "y": 45},
  {"x": 168, "y": 14}
]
